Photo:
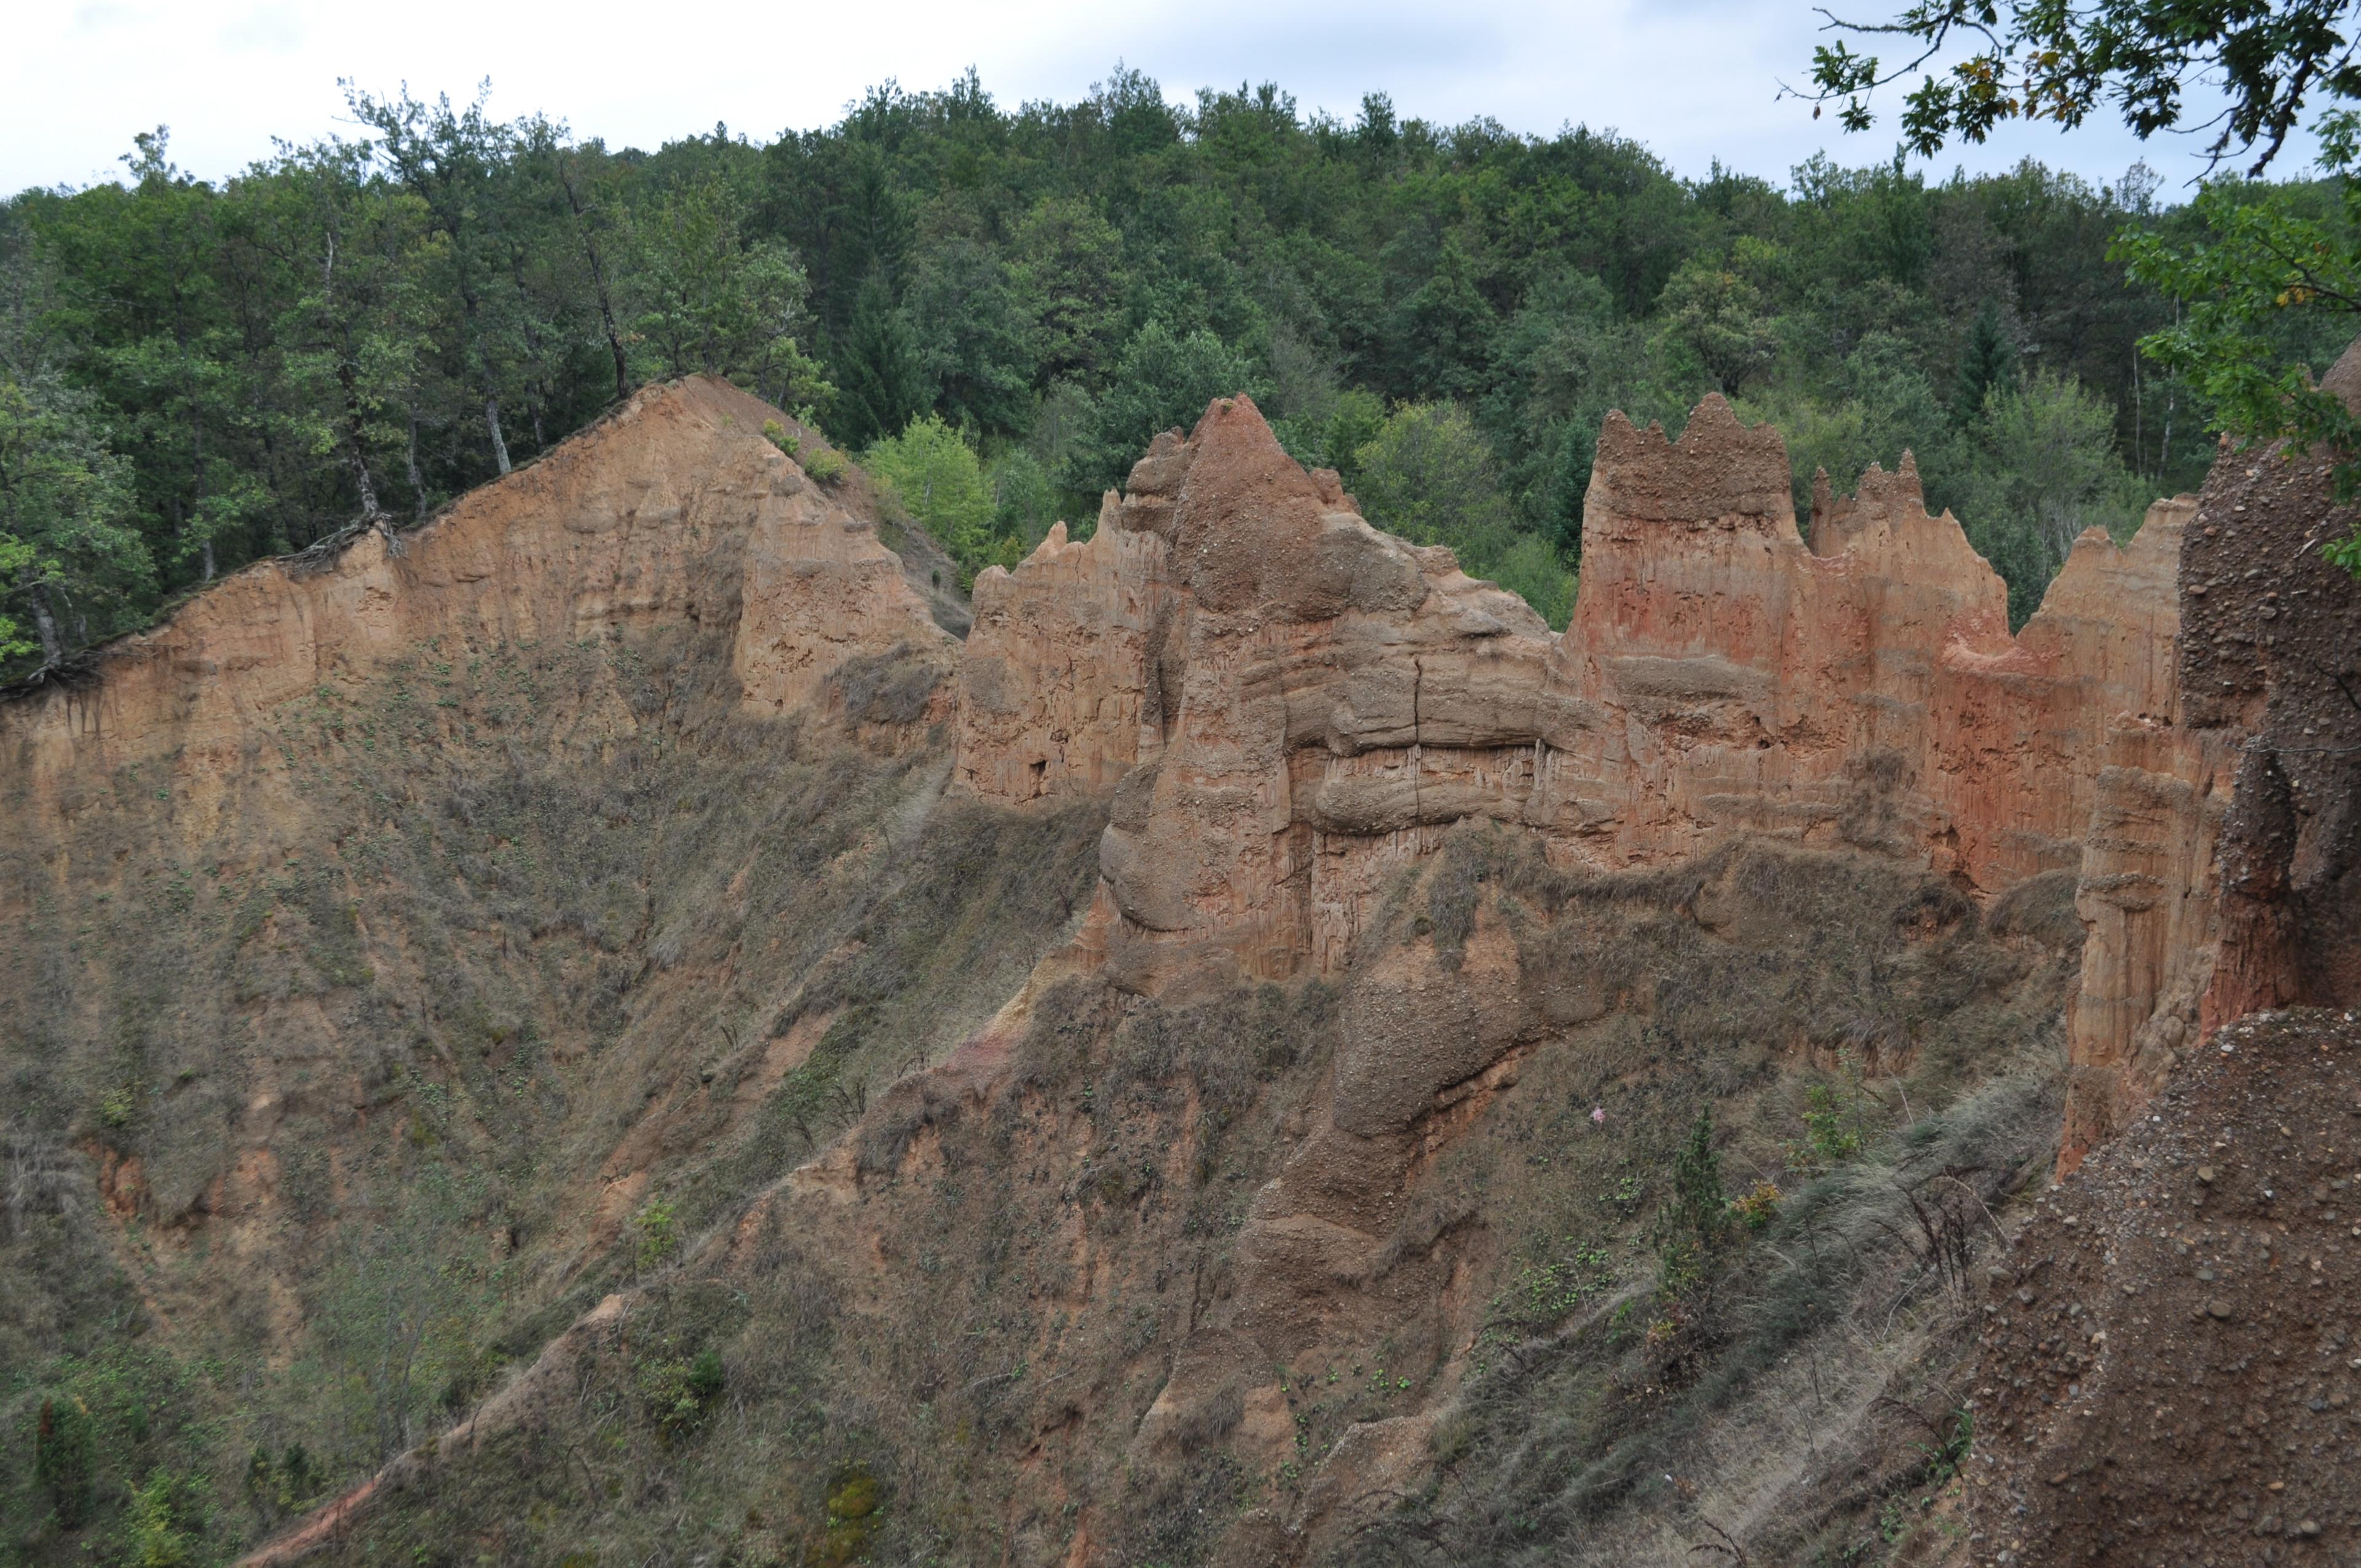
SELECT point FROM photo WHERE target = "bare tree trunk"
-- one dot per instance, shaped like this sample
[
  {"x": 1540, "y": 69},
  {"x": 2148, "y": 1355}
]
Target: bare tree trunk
[
  {"x": 417, "y": 484},
  {"x": 492, "y": 423},
  {"x": 46, "y": 622},
  {"x": 205, "y": 555},
  {"x": 597, "y": 278}
]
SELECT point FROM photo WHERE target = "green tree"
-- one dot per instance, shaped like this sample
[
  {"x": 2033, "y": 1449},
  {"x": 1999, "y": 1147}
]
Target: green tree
[
  {"x": 1068, "y": 281},
  {"x": 2260, "y": 259},
  {"x": 1024, "y": 497},
  {"x": 2037, "y": 60},
  {"x": 1429, "y": 476},
  {"x": 881, "y": 381},
  {"x": 934, "y": 476},
  {"x": 1165, "y": 380},
  {"x": 1696, "y": 1219},
  {"x": 76, "y": 566},
  {"x": 1879, "y": 406},
  {"x": 452, "y": 160},
  {"x": 156, "y": 1528},
  {"x": 1988, "y": 363},
  {"x": 2042, "y": 467},
  {"x": 1717, "y": 324},
  {"x": 61, "y": 1458},
  {"x": 703, "y": 299},
  {"x": 975, "y": 341}
]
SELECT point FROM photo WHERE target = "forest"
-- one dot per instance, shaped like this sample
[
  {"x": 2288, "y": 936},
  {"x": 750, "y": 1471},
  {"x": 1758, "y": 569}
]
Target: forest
[{"x": 994, "y": 309}]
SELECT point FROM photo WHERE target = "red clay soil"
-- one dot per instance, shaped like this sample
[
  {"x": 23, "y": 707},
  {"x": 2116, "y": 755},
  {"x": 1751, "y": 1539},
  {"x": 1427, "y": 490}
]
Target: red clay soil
[{"x": 2171, "y": 1365}]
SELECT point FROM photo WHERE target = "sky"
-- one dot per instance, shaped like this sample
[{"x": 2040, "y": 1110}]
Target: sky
[{"x": 1694, "y": 80}]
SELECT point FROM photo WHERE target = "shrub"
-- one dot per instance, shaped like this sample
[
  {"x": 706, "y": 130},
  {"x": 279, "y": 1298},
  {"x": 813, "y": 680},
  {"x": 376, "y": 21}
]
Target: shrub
[
  {"x": 155, "y": 1533},
  {"x": 778, "y": 435},
  {"x": 1758, "y": 1207},
  {"x": 825, "y": 466},
  {"x": 679, "y": 1390},
  {"x": 658, "y": 1239},
  {"x": 61, "y": 1455}
]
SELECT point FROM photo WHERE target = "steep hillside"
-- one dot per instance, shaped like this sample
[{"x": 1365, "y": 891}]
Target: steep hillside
[
  {"x": 405, "y": 947},
  {"x": 1264, "y": 1054}
]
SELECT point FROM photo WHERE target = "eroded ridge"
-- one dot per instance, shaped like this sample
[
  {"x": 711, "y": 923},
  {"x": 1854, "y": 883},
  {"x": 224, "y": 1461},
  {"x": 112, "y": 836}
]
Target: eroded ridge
[{"x": 1284, "y": 702}]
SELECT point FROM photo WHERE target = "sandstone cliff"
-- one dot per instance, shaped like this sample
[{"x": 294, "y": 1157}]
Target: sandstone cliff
[
  {"x": 1308, "y": 703},
  {"x": 1285, "y": 968}
]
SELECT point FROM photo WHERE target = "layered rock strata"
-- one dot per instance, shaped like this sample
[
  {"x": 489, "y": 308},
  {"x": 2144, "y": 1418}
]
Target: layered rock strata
[
  {"x": 1286, "y": 704},
  {"x": 673, "y": 509}
]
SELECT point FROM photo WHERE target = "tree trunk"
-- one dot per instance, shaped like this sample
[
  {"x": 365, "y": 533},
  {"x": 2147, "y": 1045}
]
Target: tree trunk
[
  {"x": 417, "y": 485},
  {"x": 205, "y": 555},
  {"x": 492, "y": 423},
  {"x": 597, "y": 278},
  {"x": 46, "y": 622}
]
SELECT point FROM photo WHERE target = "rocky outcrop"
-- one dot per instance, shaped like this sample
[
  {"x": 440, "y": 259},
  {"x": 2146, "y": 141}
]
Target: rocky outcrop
[
  {"x": 1304, "y": 704},
  {"x": 675, "y": 508},
  {"x": 1289, "y": 721}
]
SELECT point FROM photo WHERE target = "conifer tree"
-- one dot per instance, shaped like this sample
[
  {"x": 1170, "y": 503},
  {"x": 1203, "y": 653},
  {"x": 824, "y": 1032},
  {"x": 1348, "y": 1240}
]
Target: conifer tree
[{"x": 1989, "y": 363}]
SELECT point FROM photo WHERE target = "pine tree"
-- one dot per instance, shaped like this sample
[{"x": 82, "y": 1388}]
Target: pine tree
[
  {"x": 1989, "y": 362},
  {"x": 882, "y": 380}
]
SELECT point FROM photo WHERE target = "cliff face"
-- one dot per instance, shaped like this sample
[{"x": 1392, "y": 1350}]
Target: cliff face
[
  {"x": 1309, "y": 705},
  {"x": 1274, "y": 953}
]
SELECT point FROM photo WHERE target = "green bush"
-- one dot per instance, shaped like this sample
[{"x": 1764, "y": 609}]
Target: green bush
[
  {"x": 62, "y": 1459},
  {"x": 932, "y": 473},
  {"x": 657, "y": 1237}
]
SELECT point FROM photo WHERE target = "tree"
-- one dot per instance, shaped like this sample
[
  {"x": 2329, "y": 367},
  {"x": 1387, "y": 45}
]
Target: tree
[
  {"x": 351, "y": 342},
  {"x": 1989, "y": 362},
  {"x": 2040, "y": 60},
  {"x": 975, "y": 339},
  {"x": 1164, "y": 380},
  {"x": 1429, "y": 476},
  {"x": 74, "y": 564},
  {"x": 706, "y": 301},
  {"x": 934, "y": 477},
  {"x": 1717, "y": 323},
  {"x": 2043, "y": 468},
  {"x": 1068, "y": 277},
  {"x": 450, "y": 159},
  {"x": 1696, "y": 1219},
  {"x": 881, "y": 382}
]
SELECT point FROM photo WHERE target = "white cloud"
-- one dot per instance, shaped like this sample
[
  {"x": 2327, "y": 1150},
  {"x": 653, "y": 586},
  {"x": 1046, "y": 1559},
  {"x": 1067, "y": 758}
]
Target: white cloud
[{"x": 1695, "y": 80}]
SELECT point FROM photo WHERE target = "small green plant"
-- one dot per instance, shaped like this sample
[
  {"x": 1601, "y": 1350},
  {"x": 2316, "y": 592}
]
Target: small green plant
[
  {"x": 1698, "y": 1212},
  {"x": 781, "y": 437},
  {"x": 853, "y": 1502},
  {"x": 825, "y": 466},
  {"x": 658, "y": 1237},
  {"x": 155, "y": 1531},
  {"x": 1545, "y": 1292},
  {"x": 679, "y": 1390},
  {"x": 1836, "y": 1122},
  {"x": 1759, "y": 1207},
  {"x": 119, "y": 1107}
]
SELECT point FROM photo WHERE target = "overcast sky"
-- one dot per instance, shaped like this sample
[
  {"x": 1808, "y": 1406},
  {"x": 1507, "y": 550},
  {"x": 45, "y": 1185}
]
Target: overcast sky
[{"x": 1694, "y": 80}]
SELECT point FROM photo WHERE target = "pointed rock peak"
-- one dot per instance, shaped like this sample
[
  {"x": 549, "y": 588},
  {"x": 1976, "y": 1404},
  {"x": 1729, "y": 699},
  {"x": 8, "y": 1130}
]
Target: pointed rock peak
[
  {"x": 1240, "y": 478},
  {"x": 1052, "y": 542},
  {"x": 1710, "y": 420},
  {"x": 1720, "y": 468},
  {"x": 1232, "y": 435}
]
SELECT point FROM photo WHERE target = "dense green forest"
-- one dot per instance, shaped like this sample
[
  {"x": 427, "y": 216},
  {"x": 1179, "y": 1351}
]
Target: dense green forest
[{"x": 999, "y": 307}]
